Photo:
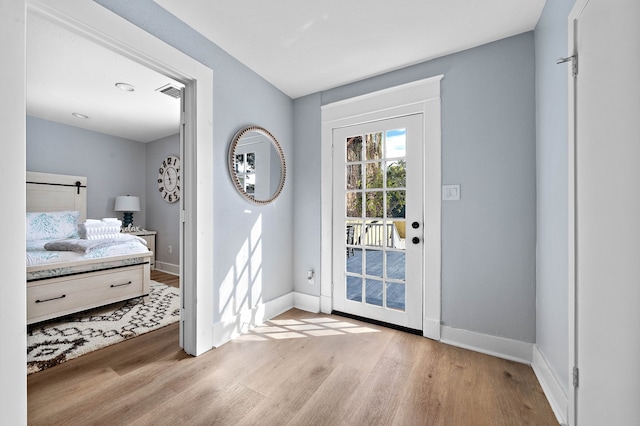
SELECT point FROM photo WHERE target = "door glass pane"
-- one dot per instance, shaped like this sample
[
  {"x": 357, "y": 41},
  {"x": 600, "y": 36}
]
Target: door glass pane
[
  {"x": 374, "y": 146},
  {"x": 372, "y": 234},
  {"x": 396, "y": 143},
  {"x": 354, "y": 176},
  {"x": 354, "y": 149},
  {"x": 396, "y": 296},
  {"x": 396, "y": 174},
  {"x": 374, "y": 175},
  {"x": 375, "y": 204},
  {"x": 374, "y": 262},
  {"x": 354, "y": 288},
  {"x": 374, "y": 292},
  {"x": 396, "y": 234},
  {"x": 354, "y": 204},
  {"x": 354, "y": 255},
  {"x": 396, "y": 204},
  {"x": 396, "y": 265},
  {"x": 251, "y": 162}
]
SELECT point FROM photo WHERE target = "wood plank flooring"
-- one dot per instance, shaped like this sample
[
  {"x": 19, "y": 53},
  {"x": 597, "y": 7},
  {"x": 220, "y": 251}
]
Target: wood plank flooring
[{"x": 299, "y": 369}]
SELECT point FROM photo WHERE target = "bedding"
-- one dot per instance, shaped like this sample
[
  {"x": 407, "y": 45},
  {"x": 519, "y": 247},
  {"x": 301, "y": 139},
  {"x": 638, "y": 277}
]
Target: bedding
[
  {"x": 52, "y": 225},
  {"x": 87, "y": 246},
  {"x": 62, "y": 245}
]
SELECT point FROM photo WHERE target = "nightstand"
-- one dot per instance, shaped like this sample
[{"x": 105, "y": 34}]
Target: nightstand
[{"x": 150, "y": 237}]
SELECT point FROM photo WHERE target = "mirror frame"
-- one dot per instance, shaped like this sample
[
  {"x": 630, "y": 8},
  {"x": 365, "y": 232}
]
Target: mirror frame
[{"x": 232, "y": 159}]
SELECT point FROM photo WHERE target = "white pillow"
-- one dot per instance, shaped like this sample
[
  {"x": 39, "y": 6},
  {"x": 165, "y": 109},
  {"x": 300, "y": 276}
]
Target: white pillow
[{"x": 52, "y": 225}]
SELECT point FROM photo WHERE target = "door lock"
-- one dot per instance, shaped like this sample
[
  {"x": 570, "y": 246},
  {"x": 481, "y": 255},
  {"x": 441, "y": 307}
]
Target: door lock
[
  {"x": 415, "y": 240},
  {"x": 415, "y": 225}
]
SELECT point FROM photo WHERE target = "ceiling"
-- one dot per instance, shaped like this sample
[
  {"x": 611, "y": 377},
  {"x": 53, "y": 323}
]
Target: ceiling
[
  {"x": 304, "y": 47},
  {"x": 300, "y": 47},
  {"x": 67, "y": 73}
]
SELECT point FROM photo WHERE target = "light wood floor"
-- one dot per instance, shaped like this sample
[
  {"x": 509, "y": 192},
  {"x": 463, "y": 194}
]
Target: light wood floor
[{"x": 299, "y": 369}]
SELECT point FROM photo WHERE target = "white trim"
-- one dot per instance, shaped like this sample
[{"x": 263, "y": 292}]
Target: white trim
[
  {"x": 13, "y": 298},
  {"x": 550, "y": 385},
  {"x": 431, "y": 328},
  {"x": 100, "y": 25},
  {"x": 501, "y": 347},
  {"x": 306, "y": 302},
  {"x": 168, "y": 268},
  {"x": 419, "y": 97},
  {"x": 228, "y": 328},
  {"x": 577, "y": 9}
]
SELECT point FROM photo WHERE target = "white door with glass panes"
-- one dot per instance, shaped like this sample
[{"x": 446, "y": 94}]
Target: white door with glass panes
[{"x": 378, "y": 220}]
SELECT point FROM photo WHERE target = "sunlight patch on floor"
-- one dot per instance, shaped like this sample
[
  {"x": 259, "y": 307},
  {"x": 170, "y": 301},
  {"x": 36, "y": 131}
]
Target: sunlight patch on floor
[{"x": 296, "y": 329}]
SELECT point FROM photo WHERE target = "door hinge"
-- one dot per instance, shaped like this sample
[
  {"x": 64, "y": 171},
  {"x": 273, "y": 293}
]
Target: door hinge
[
  {"x": 576, "y": 376},
  {"x": 183, "y": 313},
  {"x": 182, "y": 216},
  {"x": 574, "y": 63}
]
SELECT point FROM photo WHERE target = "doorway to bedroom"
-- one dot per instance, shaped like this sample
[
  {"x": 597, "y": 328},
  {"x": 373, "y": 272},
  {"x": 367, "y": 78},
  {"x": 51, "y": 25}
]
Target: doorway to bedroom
[{"x": 89, "y": 114}]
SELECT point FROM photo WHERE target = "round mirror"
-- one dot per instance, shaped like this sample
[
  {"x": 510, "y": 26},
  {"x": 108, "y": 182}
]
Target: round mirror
[{"x": 256, "y": 165}]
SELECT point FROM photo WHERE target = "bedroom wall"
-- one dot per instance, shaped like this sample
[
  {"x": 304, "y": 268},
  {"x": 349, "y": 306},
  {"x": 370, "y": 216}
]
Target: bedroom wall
[
  {"x": 162, "y": 217},
  {"x": 552, "y": 333},
  {"x": 488, "y": 146},
  {"x": 253, "y": 250},
  {"x": 113, "y": 166}
]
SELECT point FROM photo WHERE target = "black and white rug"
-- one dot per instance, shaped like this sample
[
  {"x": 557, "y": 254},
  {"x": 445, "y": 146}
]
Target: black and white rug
[{"x": 55, "y": 341}]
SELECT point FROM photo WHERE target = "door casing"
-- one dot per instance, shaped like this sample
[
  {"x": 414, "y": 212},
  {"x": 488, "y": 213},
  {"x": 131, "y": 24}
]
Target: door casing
[
  {"x": 104, "y": 27},
  {"x": 419, "y": 97}
]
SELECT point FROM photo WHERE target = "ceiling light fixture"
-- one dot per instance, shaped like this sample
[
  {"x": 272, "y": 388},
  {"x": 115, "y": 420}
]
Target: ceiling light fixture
[
  {"x": 126, "y": 87},
  {"x": 78, "y": 115}
]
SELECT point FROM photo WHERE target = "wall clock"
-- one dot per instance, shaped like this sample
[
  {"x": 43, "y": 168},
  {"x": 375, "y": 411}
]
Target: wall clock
[{"x": 169, "y": 179}]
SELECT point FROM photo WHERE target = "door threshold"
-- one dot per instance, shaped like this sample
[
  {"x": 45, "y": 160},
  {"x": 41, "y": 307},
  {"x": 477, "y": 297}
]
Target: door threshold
[{"x": 380, "y": 323}]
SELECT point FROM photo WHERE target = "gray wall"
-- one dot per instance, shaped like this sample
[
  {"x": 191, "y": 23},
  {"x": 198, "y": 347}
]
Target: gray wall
[
  {"x": 252, "y": 244},
  {"x": 552, "y": 332},
  {"x": 306, "y": 168},
  {"x": 111, "y": 164},
  {"x": 162, "y": 217},
  {"x": 488, "y": 146}
]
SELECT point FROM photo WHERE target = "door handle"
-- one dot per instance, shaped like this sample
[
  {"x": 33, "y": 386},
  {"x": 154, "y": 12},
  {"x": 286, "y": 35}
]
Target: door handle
[{"x": 415, "y": 240}]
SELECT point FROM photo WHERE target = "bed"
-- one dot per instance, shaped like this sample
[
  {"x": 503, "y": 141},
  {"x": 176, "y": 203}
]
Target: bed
[{"x": 88, "y": 275}]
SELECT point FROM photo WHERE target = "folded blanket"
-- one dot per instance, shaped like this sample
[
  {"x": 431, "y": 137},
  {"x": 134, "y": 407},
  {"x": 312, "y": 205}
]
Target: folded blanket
[{"x": 79, "y": 245}]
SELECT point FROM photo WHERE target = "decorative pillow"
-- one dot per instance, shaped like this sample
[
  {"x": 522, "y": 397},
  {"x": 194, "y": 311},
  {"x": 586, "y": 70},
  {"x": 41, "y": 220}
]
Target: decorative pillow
[{"x": 52, "y": 225}]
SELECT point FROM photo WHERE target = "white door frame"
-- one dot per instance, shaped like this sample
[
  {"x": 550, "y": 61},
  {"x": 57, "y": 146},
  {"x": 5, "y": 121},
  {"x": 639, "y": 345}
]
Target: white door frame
[
  {"x": 571, "y": 204},
  {"x": 104, "y": 27},
  {"x": 419, "y": 97}
]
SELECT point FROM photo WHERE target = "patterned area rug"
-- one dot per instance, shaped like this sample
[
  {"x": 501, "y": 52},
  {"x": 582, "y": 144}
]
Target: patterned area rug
[{"x": 55, "y": 341}]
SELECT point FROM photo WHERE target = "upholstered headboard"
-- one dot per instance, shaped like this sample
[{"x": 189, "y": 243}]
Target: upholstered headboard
[{"x": 48, "y": 192}]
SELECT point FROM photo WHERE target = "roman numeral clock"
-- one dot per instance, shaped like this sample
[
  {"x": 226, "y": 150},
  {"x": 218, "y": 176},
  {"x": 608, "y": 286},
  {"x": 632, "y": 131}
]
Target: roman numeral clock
[{"x": 169, "y": 179}]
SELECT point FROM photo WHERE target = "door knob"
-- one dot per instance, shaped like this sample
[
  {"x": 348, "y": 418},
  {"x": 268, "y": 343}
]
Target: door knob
[
  {"x": 415, "y": 240},
  {"x": 415, "y": 225}
]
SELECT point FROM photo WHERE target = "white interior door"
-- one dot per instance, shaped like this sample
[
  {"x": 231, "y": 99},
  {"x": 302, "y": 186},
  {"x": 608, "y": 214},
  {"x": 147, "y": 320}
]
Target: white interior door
[
  {"x": 378, "y": 220},
  {"x": 607, "y": 212}
]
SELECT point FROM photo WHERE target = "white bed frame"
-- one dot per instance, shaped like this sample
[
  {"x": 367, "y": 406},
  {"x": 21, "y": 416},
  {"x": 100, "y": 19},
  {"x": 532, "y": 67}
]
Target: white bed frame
[{"x": 49, "y": 298}]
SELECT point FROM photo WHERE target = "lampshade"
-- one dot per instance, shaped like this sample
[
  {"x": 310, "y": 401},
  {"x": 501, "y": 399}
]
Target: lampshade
[{"x": 127, "y": 203}]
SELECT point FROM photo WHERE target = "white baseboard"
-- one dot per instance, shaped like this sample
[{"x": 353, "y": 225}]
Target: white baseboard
[
  {"x": 306, "y": 302},
  {"x": 169, "y": 268},
  {"x": 550, "y": 385},
  {"x": 514, "y": 350}
]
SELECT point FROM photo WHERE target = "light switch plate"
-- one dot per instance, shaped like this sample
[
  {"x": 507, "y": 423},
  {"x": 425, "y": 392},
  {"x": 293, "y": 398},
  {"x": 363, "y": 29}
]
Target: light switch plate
[{"x": 450, "y": 192}]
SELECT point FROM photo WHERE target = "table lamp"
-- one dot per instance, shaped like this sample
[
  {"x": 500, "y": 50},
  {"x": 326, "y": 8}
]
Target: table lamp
[{"x": 127, "y": 204}]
